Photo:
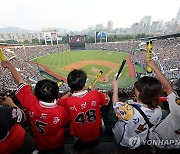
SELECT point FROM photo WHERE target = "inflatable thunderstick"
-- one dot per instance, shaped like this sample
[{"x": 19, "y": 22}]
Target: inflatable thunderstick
[
  {"x": 121, "y": 68},
  {"x": 2, "y": 57},
  {"x": 95, "y": 80},
  {"x": 149, "y": 55}
]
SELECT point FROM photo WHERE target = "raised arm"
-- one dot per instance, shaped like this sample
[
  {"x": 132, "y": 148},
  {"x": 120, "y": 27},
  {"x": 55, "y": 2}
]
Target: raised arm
[
  {"x": 165, "y": 83},
  {"x": 8, "y": 101},
  {"x": 17, "y": 77},
  {"x": 115, "y": 91}
]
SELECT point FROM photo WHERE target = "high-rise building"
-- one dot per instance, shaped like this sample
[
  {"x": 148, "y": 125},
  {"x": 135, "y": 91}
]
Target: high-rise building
[
  {"x": 21, "y": 36},
  {"x": 178, "y": 15},
  {"x": 145, "y": 24},
  {"x": 110, "y": 26},
  {"x": 155, "y": 26},
  {"x": 177, "y": 28},
  {"x": 99, "y": 27},
  {"x": 170, "y": 26},
  {"x": 135, "y": 28}
]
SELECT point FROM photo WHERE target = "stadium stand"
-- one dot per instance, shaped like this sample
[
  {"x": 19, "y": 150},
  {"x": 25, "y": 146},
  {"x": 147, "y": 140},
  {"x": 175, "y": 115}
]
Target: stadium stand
[{"x": 166, "y": 53}]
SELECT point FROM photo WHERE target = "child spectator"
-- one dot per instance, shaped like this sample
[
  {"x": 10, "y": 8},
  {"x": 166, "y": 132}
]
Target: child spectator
[
  {"x": 84, "y": 110},
  {"x": 135, "y": 119},
  {"x": 13, "y": 138},
  {"x": 46, "y": 117}
]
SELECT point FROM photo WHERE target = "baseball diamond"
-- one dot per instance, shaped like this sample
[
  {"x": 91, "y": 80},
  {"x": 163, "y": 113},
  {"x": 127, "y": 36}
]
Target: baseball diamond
[{"x": 92, "y": 61}]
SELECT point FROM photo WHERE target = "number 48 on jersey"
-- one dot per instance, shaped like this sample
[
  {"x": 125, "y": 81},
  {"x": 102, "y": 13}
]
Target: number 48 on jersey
[{"x": 88, "y": 116}]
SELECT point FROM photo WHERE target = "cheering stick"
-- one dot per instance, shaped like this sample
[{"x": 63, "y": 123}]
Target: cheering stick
[
  {"x": 29, "y": 82},
  {"x": 60, "y": 83},
  {"x": 95, "y": 80},
  {"x": 2, "y": 57},
  {"x": 121, "y": 68},
  {"x": 149, "y": 55}
]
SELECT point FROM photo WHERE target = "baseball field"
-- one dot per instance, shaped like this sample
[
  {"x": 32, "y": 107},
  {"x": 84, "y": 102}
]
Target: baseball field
[{"x": 91, "y": 61}]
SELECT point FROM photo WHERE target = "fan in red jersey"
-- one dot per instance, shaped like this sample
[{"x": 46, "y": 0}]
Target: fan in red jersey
[
  {"x": 46, "y": 117},
  {"x": 13, "y": 138},
  {"x": 84, "y": 110}
]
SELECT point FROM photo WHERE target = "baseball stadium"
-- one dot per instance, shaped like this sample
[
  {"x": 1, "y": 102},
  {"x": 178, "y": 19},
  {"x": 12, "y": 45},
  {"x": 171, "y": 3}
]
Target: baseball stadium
[
  {"x": 89, "y": 77},
  {"x": 101, "y": 61}
]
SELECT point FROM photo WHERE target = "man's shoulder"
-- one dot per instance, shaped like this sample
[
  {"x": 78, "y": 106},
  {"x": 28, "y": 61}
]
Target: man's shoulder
[
  {"x": 94, "y": 92},
  {"x": 22, "y": 87}
]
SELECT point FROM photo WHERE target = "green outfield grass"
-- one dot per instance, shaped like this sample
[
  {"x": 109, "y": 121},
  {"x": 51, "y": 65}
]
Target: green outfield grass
[{"x": 56, "y": 62}]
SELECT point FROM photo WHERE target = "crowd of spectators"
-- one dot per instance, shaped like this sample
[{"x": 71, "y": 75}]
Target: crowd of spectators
[
  {"x": 20, "y": 57},
  {"x": 125, "y": 46},
  {"x": 31, "y": 52},
  {"x": 166, "y": 54}
]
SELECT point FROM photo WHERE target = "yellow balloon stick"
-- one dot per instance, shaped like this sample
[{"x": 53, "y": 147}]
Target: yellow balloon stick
[
  {"x": 60, "y": 83},
  {"x": 96, "y": 78},
  {"x": 149, "y": 55},
  {"x": 2, "y": 57}
]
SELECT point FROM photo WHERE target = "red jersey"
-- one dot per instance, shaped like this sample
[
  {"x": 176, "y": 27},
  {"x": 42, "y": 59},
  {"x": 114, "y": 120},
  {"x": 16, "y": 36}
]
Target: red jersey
[
  {"x": 13, "y": 141},
  {"x": 84, "y": 111},
  {"x": 47, "y": 119},
  {"x": 11, "y": 133}
]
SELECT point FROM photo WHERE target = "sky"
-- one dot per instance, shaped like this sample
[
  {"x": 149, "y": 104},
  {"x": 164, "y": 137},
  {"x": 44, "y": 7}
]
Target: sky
[{"x": 79, "y": 14}]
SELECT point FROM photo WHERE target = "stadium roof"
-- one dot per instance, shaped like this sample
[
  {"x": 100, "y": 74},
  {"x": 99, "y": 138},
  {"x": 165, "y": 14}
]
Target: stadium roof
[
  {"x": 4, "y": 45},
  {"x": 162, "y": 37}
]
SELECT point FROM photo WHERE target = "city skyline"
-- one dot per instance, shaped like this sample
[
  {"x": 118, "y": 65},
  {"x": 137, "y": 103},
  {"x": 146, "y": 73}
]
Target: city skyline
[{"x": 79, "y": 14}]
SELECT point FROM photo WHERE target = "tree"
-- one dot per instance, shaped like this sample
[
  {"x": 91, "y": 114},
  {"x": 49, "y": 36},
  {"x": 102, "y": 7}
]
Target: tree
[
  {"x": 142, "y": 35},
  {"x": 90, "y": 39},
  {"x": 42, "y": 42},
  {"x": 65, "y": 39},
  {"x": 35, "y": 41},
  {"x": 26, "y": 42}
]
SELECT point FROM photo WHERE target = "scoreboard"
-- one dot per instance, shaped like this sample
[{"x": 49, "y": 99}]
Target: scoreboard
[{"x": 77, "y": 41}]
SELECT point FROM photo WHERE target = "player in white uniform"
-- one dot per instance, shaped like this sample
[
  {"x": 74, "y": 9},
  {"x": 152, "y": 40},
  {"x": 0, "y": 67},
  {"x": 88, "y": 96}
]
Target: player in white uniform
[{"x": 168, "y": 131}]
